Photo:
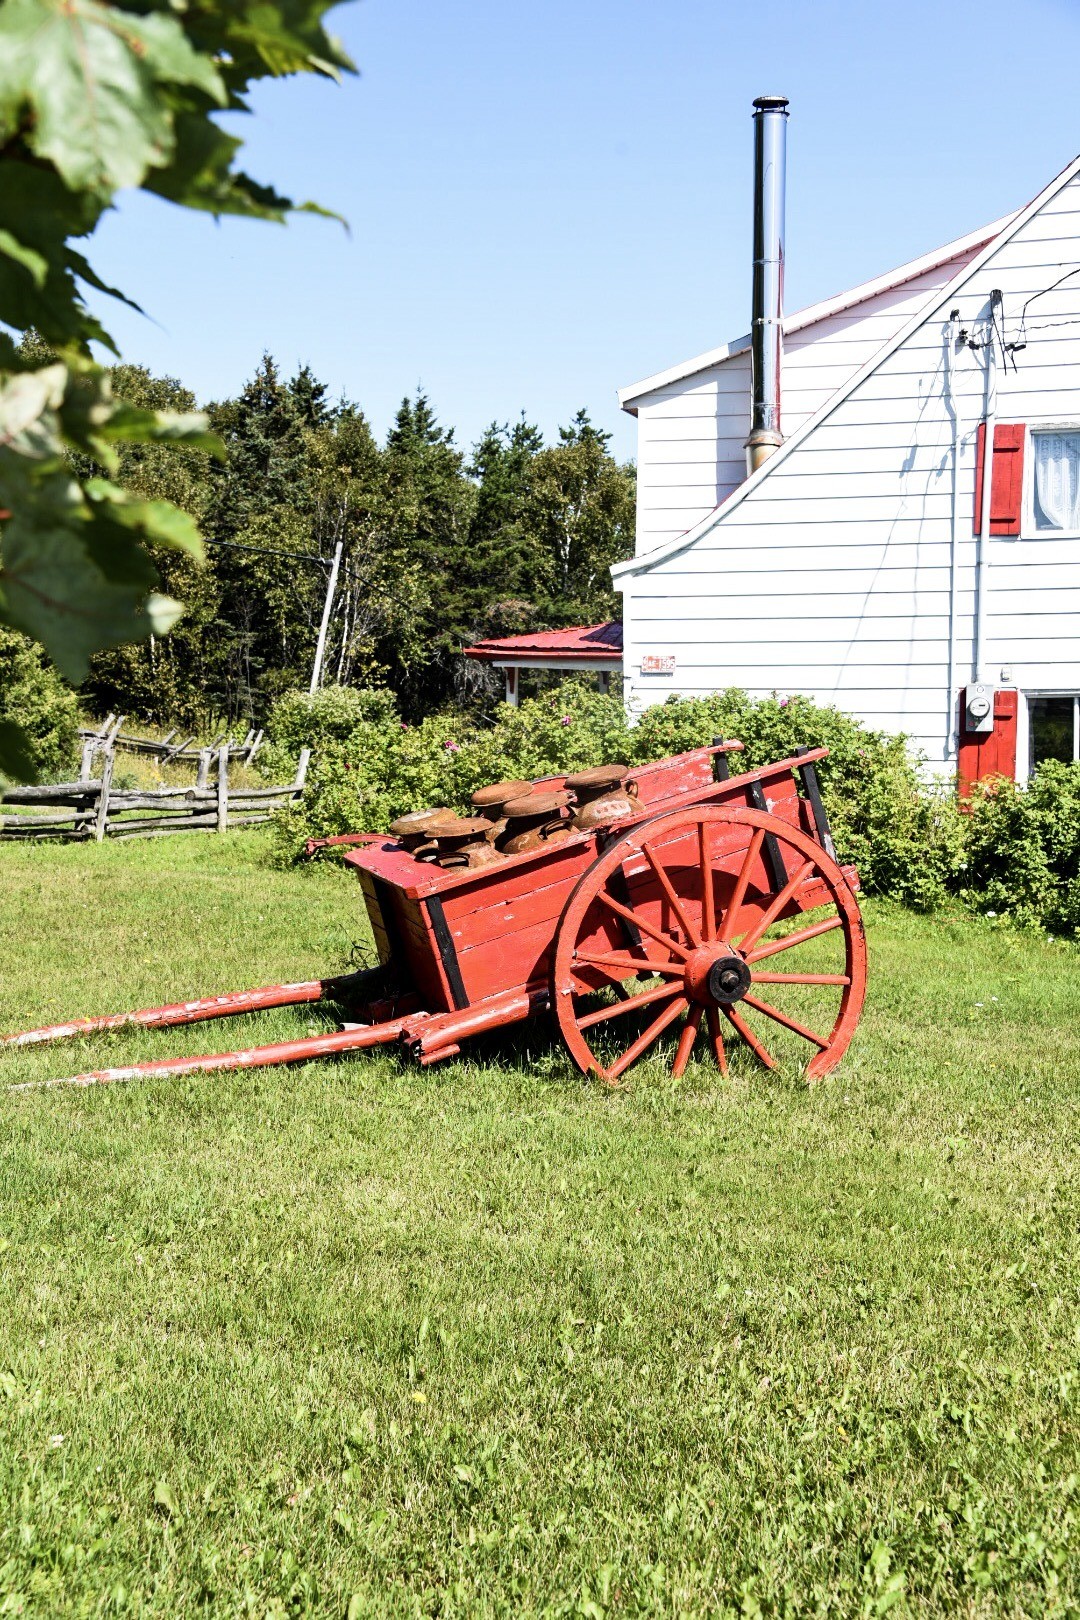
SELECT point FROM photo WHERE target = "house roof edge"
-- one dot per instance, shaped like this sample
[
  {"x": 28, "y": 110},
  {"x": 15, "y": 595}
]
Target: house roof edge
[
  {"x": 649, "y": 559},
  {"x": 821, "y": 311}
]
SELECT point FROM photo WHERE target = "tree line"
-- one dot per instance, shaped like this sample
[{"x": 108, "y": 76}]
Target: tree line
[{"x": 440, "y": 547}]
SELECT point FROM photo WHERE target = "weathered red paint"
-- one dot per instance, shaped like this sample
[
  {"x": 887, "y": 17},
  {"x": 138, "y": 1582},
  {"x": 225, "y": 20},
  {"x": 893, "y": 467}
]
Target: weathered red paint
[
  {"x": 338, "y": 989},
  {"x": 984, "y": 755},
  {"x": 181, "y": 1012},
  {"x": 471, "y": 950},
  {"x": 353, "y": 1038},
  {"x": 1006, "y": 478}
]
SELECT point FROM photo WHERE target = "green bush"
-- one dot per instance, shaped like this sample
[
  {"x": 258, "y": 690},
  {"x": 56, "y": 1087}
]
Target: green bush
[
  {"x": 368, "y": 767},
  {"x": 1013, "y": 853},
  {"x": 35, "y": 697},
  {"x": 1022, "y": 850}
]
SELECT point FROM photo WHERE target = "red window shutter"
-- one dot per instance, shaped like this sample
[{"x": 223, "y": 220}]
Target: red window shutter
[
  {"x": 1006, "y": 478},
  {"x": 989, "y": 754}
]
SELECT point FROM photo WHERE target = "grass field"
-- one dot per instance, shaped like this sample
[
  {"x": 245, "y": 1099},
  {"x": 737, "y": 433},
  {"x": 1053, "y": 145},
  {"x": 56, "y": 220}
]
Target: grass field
[{"x": 357, "y": 1339}]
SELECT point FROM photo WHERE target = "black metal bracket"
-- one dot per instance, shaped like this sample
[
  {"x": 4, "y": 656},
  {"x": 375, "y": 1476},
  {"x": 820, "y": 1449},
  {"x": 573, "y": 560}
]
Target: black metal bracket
[
  {"x": 774, "y": 861},
  {"x": 721, "y": 770},
  {"x": 809, "y": 777},
  {"x": 447, "y": 951},
  {"x": 621, "y": 892}
]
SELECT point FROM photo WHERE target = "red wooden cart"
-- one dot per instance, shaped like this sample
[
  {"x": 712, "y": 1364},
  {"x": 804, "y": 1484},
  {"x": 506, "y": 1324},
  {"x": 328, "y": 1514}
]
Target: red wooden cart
[{"x": 717, "y": 910}]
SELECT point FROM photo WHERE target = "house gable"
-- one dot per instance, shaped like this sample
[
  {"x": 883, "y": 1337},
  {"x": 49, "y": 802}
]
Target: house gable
[
  {"x": 829, "y": 570},
  {"x": 694, "y": 419}
]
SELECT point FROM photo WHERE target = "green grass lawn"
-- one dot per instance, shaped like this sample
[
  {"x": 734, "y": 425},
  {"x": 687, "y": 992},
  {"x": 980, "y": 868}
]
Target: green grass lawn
[{"x": 358, "y": 1338}]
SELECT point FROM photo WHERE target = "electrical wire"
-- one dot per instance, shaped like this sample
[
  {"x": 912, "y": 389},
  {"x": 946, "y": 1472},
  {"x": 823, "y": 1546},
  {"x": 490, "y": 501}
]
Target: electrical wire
[
  {"x": 1046, "y": 326},
  {"x": 997, "y": 320},
  {"x": 1020, "y": 341},
  {"x": 267, "y": 551},
  {"x": 1075, "y": 271}
]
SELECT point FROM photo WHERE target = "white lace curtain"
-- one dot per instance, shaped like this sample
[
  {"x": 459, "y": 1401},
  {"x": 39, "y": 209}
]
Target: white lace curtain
[{"x": 1057, "y": 480}]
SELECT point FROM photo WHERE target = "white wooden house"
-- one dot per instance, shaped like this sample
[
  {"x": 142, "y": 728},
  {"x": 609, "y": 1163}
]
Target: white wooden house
[{"x": 854, "y": 563}]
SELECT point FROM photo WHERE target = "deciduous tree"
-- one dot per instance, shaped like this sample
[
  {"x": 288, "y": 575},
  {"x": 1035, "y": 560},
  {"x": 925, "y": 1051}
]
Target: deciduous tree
[{"x": 96, "y": 98}]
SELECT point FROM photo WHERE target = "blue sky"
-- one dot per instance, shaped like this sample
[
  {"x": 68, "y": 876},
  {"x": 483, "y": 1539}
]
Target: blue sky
[{"x": 549, "y": 201}]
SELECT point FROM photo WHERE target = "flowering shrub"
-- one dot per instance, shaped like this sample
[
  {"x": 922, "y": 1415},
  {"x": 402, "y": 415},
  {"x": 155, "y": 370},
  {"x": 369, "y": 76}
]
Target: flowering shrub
[{"x": 1016, "y": 853}]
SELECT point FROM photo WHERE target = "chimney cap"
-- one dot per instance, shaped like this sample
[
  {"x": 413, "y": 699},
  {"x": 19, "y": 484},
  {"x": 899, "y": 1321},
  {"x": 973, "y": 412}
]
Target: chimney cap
[{"x": 771, "y": 104}]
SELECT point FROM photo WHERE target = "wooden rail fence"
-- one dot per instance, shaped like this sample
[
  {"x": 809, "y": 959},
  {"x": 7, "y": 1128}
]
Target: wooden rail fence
[
  {"x": 94, "y": 809},
  {"x": 109, "y": 736}
]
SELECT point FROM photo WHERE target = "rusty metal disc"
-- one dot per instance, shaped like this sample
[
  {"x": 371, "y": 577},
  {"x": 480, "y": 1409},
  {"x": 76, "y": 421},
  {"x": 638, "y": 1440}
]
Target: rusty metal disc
[
  {"x": 536, "y": 804},
  {"x": 419, "y": 821},
  {"x": 599, "y": 776},
  {"x": 498, "y": 793}
]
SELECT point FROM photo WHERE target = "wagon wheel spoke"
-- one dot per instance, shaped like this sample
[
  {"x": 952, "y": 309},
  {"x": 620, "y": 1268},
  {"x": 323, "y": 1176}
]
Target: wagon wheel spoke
[
  {"x": 646, "y": 1038},
  {"x": 766, "y": 920},
  {"x": 739, "y": 1023},
  {"x": 632, "y": 964},
  {"x": 631, "y": 1004},
  {"x": 801, "y": 978},
  {"x": 708, "y": 894},
  {"x": 686, "y": 1041},
  {"x": 640, "y": 923},
  {"x": 673, "y": 900},
  {"x": 738, "y": 893},
  {"x": 717, "y": 1035},
  {"x": 788, "y": 1022},
  {"x": 790, "y": 940}
]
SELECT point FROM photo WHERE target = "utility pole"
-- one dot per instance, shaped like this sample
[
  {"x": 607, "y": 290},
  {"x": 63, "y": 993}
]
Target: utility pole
[{"x": 320, "y": 650}]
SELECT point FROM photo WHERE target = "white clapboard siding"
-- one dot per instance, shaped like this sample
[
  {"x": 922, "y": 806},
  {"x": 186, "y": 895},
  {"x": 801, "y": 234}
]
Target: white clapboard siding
[
  {"x": 835, "y": 574},
  {"x": 666, "y": 436},
  {"x": 701, "y": 422},
  {"x": 776, "y": 550}
]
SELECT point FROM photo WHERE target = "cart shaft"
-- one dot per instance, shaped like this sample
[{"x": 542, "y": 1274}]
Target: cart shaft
[
  {"x": 352, "y": 1039},
  {"x": 428, "y": 1037},
  {"x": 197, "y": 1012}
]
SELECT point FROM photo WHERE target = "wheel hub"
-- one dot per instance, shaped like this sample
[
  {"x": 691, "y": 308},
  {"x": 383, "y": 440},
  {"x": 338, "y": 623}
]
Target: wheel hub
[
  {"x": 729, "y": 980},
  {"x": 716, "y": 975}
]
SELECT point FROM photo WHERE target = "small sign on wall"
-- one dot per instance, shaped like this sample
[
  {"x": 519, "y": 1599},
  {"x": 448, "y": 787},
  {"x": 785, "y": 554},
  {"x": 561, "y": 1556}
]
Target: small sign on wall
[{"x": 658, "y": 664}]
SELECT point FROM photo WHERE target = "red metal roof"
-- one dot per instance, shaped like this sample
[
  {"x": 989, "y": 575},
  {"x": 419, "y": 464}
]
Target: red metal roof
[{"x": 581, "y": 641}]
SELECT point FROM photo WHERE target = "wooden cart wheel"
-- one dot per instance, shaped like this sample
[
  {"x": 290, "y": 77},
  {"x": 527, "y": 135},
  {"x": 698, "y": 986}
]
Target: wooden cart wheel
[{"x": 686, "y": 921}]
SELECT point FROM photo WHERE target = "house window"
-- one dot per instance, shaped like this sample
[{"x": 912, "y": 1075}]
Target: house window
[
  {"x": 1055, "y": 493},
  {"x": 1054, "y": 728},
  {"x": 1035, "y": 480}
]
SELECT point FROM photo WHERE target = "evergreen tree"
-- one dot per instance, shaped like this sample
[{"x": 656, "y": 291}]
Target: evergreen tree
[
  {"x": 382, "y": 601},
  {"x": 262, "y": 504},
  {"x": 430, "y": 503},
  {"x": 437, "y": 551},
  {"x": 581, "y": 509},
  {"x": 309, "y": 399},
  {"x": 502, "y": 564},
  {"x": 263, "y": 434},
  {"x": 581, "y": 431}
]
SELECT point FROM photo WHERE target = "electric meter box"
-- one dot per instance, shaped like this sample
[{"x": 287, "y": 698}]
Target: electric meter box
[{"x": 978, "y": 708}]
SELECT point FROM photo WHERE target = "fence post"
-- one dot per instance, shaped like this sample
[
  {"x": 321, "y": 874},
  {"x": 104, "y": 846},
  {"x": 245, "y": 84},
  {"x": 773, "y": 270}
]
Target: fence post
[
  {"x": 301, "y": 770},
  {"x": 202, "y": 776},
  {"x": 223, "y": 789},
  {"x": 102, "y": 821}
]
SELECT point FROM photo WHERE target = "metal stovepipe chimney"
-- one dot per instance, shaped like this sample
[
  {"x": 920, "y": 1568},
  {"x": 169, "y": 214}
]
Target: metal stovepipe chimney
[{"x": 767, "y": 330}]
